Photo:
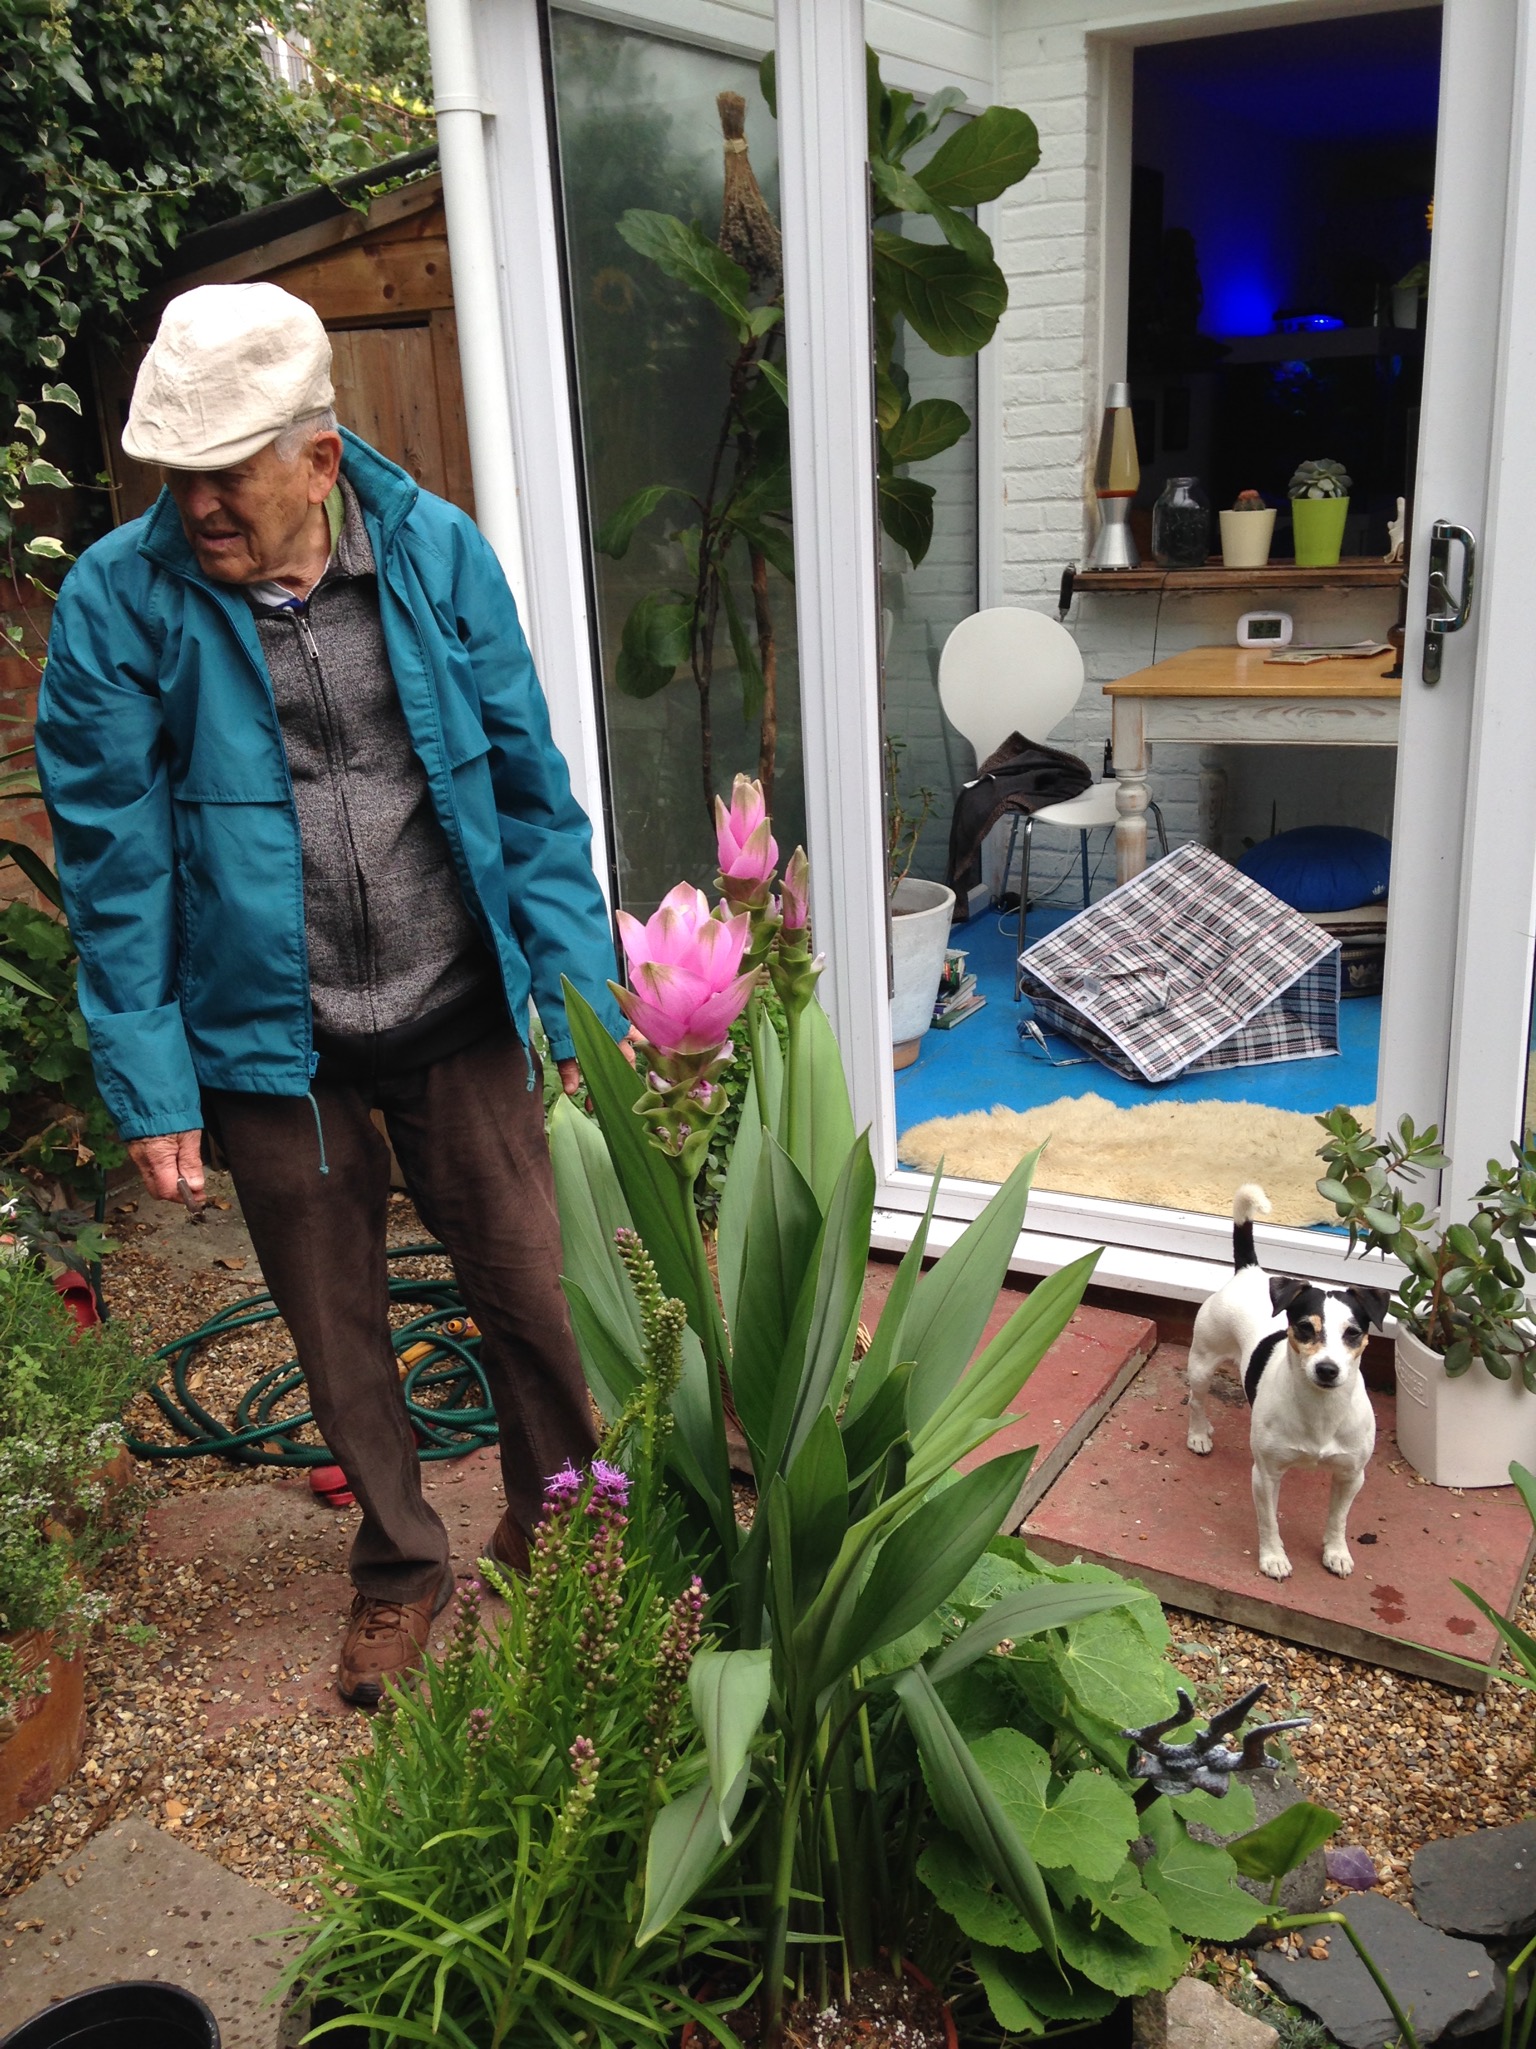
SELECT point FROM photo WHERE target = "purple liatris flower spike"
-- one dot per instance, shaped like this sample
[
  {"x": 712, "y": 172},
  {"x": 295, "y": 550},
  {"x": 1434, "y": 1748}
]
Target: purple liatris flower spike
[
  {"x": 479, "y": 1724},
  {"x": 562, "y": 1490},
  {"x": 610, "y": 1485},
  {"x": 1353, "y": 1867}
]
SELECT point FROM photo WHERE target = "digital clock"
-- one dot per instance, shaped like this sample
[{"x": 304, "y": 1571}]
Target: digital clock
[{"x": 1264, "y": 629}]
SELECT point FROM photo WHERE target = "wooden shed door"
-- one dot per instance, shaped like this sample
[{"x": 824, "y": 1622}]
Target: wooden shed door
[{"x": 398, "y": 387}]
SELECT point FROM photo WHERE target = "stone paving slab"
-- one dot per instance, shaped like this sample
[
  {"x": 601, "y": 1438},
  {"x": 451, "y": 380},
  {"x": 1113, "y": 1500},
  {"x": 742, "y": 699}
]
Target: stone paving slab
[
  {"x": 1136, "y": 1498},
  {"x": 1481, "y": 1884},
  {"x": 288, "y": 1631},
  {"x": 137, "y": 1903}
]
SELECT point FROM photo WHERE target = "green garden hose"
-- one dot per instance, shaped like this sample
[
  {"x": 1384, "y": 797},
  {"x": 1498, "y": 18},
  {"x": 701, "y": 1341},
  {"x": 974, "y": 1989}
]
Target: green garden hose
[{"x": 446, "y": 1396}]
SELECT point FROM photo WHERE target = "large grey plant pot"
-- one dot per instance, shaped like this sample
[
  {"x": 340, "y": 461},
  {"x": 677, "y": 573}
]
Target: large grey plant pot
[{"x": 921, "y": 913}]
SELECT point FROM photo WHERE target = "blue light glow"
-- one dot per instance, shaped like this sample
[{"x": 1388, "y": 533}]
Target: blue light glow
[
  {"x": 1239, "y": 297},
  {"x": 1308, "y": 323}
]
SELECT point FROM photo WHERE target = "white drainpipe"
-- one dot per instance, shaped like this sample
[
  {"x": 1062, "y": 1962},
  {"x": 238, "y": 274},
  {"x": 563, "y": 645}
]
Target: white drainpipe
[{"x": 461, "y": 143}]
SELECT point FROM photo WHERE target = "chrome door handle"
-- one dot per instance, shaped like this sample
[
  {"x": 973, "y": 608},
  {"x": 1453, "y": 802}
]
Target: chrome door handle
[{"x": 1445, "y": 614}]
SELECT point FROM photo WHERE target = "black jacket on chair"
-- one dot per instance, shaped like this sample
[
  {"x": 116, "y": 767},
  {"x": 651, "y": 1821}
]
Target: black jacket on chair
[{"x": 1020, "y": 775}]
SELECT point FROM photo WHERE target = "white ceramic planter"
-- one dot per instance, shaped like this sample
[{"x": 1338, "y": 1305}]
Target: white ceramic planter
[
  {"x": 1245, "y": 538},
  {"x": 920, "y": 919},
  {"x": 1462, "y": 1432}
]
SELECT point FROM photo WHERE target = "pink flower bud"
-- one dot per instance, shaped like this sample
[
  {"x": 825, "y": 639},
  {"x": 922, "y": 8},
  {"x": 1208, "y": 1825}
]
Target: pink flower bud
[
  {"x": 795, "y": 902},
  {"x": 744, "y": 836}
]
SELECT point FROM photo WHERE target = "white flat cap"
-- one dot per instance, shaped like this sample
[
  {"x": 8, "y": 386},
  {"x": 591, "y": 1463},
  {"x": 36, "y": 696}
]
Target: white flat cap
[{"x": 229, "y": 369}]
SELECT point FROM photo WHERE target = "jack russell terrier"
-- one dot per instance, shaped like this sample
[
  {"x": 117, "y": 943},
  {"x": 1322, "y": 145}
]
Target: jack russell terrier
[{"x": 1297, "y": 1348}]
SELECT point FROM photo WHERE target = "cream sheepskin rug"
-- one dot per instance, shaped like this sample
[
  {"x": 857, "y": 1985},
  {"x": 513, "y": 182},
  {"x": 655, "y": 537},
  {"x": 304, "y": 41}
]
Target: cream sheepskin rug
[{"x": 1169, "y": 1154}]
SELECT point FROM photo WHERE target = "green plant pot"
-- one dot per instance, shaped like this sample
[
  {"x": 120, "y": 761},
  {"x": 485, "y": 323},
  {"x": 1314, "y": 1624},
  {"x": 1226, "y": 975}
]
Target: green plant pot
[{"x": 1318, "y": 524}]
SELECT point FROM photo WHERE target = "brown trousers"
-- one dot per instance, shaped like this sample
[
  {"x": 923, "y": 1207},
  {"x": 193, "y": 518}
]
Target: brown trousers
[{"x": 469, "y": 1133}]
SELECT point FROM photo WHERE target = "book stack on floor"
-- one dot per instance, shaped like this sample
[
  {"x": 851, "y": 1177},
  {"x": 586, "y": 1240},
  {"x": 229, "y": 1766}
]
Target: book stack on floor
[{"x": 958, "y": 997}]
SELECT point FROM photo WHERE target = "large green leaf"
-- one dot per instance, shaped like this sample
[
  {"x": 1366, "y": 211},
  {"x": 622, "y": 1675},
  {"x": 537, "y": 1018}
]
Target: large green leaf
[
  {"x": 1104, "y": 1663},
  {"x": 1029, "y": 1986},
  {"x": 686, "y": 1842},
  {"x": 783, "y": 1230},
  {"x": 966, "y": 1803},
  {"x": 827, "y": 1314},
  {"x": 953, "y": 300},
  {"x": 684, "y": 252},
  {"x": 1283, "y": 1842},
  {"x": 1196, "y": 1882},
  {"x": 618, "y": 529},
  {"x": 879, "y": 1426},
  {"x": 904, "y": 193},
  {"x": 761, "y": 1108},
  {"x": 817, "y": 1485},
  {"x": 982, "y": 158},
  {"x": 655, "y": 641},
  {"x": 1027, "y": 1613},
  {"x": 729, "y": 1691},
  {"x": 925, "y": 1558},
  {"x": 926, "y": 430},
  {"x": 817, "y": 1098},
  {"x": 1004, "y": 1366},
  {"x": 657, "y": 1201},
  {"x": 951, "y": 1304},
  {"x": 592, "y": 1210},
  {"x": 949, "y": 1870},
  {"x": 889, "y": 1343},
  {"x": 613, "y": 1369},
  {"x": 906, "y": 513},
  {"x": 1087, "y": 1824}
]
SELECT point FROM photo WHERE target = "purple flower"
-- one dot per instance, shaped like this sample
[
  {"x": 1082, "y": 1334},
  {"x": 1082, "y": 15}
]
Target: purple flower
[
  {"x": 610, "y": 1486},
  {"x": 479, "y": 1724},
  {"x": 561, "y": 1490},
  {"x": 1352, "y": 1867}
]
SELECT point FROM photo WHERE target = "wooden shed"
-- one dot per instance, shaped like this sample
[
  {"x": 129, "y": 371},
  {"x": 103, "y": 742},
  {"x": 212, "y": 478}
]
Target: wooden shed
[{"x": 379, "y": 280}]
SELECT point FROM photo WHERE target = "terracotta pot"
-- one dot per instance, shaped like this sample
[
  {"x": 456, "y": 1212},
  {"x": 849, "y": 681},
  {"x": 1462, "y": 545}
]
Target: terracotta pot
[{"x": 41, "y": 1739}]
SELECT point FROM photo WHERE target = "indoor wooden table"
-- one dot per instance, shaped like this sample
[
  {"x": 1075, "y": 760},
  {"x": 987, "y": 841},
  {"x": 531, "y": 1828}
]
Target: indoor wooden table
[{"x": 1234, "y": 697}]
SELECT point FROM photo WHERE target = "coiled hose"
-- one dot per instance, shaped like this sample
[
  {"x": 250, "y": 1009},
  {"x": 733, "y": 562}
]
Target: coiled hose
[{"x": 446, "y": 1397}]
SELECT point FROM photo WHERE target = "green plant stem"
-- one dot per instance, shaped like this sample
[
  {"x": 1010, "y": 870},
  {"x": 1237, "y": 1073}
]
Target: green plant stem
[
  {"x": 1282, "y": 1924},
  {"x": 776, "y": 1938},
  {"x": 1513, "y": 1970}
]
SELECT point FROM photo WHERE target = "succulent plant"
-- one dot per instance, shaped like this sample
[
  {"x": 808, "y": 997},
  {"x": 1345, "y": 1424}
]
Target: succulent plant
[
  {"x": 1250, "y": 501},
  {"x": 1320, "y": 479}
]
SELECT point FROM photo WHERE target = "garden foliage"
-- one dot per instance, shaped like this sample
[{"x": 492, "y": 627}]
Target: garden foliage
[
  {"x": 486, "y": 1868},
  {"x": 855, "y": 1645},
  {"x": 61, "y": 1394}
]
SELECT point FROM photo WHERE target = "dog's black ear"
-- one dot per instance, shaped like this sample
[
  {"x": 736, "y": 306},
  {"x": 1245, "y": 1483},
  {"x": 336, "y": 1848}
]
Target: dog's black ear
[
  {"x": 1283, "y": 1291},
  {"x": 1369, "y": 1304}
]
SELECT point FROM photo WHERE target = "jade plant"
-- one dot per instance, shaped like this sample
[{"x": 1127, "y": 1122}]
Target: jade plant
[
  {"x": 1464, "y": 1293},
  {"x": 1321, "y": 479}
]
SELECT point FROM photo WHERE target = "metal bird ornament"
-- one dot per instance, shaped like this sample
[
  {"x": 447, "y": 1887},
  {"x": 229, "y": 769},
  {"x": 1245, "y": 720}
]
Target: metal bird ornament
[{"x": 1206, "y": 1764}]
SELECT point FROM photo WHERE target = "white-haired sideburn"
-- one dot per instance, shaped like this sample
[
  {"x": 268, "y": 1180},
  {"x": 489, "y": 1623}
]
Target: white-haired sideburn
[{"x": 298, "y": 433}]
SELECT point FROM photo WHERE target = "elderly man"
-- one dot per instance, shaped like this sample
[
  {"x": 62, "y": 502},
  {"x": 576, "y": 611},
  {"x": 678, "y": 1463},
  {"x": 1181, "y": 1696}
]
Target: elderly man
[{"x": 318, "y": 850}]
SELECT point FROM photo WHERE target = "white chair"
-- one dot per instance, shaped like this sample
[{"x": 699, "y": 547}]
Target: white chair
[{"x": 1007, "y": 670}]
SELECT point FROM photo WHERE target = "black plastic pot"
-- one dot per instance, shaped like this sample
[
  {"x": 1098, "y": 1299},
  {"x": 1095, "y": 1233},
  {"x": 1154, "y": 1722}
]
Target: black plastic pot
[{"x": 140, "y": 2014}]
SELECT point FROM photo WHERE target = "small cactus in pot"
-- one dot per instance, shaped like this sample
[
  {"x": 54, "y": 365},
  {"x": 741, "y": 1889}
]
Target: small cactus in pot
[
  {"x": 1246, "y": 532},
  {"x": 1319, "y": 493}
]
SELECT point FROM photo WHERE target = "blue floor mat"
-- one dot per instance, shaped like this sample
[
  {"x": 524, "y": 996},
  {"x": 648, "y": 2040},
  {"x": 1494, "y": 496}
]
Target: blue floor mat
[{"x": 982, "y": 1063}]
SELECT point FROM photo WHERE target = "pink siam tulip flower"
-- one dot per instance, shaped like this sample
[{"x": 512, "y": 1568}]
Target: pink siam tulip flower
[
  {"x": 745, "y": 843},
  {"x": 685, "y": 965},
  {"x": 794, "y": 904}
]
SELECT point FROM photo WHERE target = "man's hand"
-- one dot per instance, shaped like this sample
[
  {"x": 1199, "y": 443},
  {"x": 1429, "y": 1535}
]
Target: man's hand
[
  {"x": 570, "y": 1070},
  {"x": 162, "y": 1162}
]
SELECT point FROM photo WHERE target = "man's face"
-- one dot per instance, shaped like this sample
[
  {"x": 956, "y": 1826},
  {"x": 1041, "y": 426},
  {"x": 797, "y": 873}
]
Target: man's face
[{"x": 256, "y": 522}]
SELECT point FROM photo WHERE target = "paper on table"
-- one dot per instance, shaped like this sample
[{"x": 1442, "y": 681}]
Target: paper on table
[{"x": 1358, "y": 650}]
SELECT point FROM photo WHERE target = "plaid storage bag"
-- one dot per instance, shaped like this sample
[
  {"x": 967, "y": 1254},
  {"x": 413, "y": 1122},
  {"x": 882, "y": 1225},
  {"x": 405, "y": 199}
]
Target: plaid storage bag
[{"x": 1190, "y": 966}]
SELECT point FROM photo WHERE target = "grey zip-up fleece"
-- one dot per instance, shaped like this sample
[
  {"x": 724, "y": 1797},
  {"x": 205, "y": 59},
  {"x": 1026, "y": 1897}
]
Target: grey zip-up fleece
[{"x": 389, "y": 936}]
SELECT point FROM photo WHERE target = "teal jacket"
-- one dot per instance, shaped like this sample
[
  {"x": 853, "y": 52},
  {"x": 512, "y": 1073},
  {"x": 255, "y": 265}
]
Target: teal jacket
[{"x": 164, "y": 774}]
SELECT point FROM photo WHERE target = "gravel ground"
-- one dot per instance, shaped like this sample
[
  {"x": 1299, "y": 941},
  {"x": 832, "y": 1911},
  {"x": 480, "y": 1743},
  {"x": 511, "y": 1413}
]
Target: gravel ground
[{"x": 1400, "y": 1759}]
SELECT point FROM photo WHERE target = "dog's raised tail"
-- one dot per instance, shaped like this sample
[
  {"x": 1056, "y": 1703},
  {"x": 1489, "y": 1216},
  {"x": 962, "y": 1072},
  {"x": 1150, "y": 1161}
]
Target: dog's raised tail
[{"x": 1249, "y": 1202}]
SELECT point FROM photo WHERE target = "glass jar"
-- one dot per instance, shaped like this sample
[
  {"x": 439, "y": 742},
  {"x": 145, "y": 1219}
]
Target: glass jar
[{"x": 1181, "y": 525}]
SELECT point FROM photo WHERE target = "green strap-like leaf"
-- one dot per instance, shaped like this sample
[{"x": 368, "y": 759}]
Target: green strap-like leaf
[
  {"x": 817, "y": 1487},
  {"x": 729, "y": 1691},
  {"x": 783, "y": 1229},
  {"x": 827, "y": 1314},
  {"x": 1029, "y": 1613},
  {"x": 967, "y": 1804},
  {"x": 35, "y": 868},
  {"x": 951, "y": 1304},
  {"x": 686, "y": 1839},
  {"x": 925, "y": 1558}
]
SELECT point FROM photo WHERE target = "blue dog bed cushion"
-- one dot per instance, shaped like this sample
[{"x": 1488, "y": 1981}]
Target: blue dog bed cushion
[{"x": 1322, "y": 867}]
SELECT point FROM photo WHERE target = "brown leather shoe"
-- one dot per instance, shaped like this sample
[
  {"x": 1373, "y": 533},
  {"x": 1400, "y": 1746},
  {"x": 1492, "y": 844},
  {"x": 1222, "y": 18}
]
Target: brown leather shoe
[
  {"x": 385, "y": 1640},
  {"x": 509, "y": 1546}
]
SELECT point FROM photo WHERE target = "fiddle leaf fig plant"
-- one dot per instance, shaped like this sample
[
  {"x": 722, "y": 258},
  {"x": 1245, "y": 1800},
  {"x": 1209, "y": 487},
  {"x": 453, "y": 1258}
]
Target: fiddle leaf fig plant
[
  {"x": 1464, "y": 1294},
  {"x": 726, "y": 531}
]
